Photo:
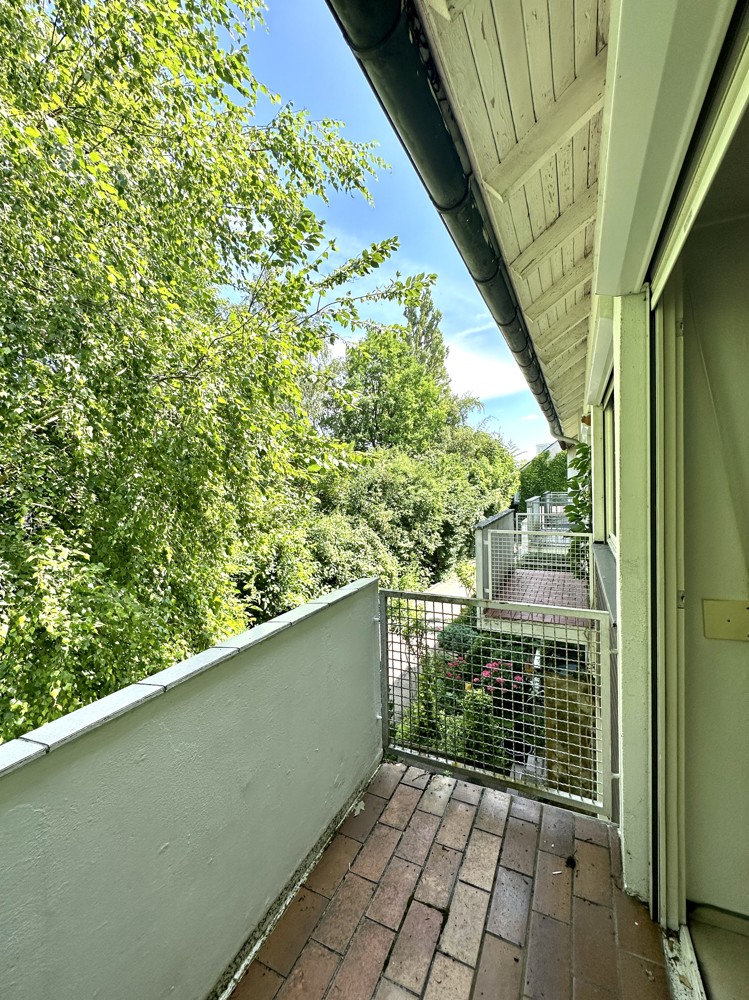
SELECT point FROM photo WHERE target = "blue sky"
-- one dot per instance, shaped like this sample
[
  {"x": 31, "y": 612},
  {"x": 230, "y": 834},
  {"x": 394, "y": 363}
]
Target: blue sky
[{"x": 301, "y": 55}]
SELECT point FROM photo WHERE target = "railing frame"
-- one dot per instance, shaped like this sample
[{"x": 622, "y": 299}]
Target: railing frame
[{"x": 600, "y": 807}]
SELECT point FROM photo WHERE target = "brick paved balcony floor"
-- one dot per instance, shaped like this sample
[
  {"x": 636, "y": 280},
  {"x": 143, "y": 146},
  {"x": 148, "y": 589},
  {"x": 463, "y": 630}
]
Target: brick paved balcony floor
[{"x": 443, "y": 890}]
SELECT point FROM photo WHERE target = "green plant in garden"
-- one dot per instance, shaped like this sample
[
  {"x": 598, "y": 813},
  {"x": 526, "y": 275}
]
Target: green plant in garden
[
  {"x": 457, "y": 637},
  {"x": 579, "y": 510}
]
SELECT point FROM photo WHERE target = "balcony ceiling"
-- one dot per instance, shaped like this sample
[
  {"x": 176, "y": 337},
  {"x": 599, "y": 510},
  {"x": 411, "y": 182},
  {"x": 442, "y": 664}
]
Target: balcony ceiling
[{"x": 525, "y": 80}]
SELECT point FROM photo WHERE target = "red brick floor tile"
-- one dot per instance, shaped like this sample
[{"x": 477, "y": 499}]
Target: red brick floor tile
[
  {"x": 359, "y": 825},
  {"x": 437, "y": 794},
  {"x": 456, "y": 825},
  {"x": 510, "y": 905},
  {"x": 461, "y": 937},
  {"x": 412, "y": 954},
  {"x": 500, "y": 970},
  {"x": 594, "y": 944},
  {"x": 289, "y": 936},
  {"x": 637, "y": 932},
  {"x": 258, "y": 983},
  {"x": 346, "y": 909},
  {"x": 519, "y": 846},
  {"x": 492, "y": 814},
  {"x": 592, "y": 879},
  {"x": 582, "y": 990},
  {"x": 448, "y": 980},
  {"x": 394, "y": 893},
  {"x": 526, "y": 809},
  {"x": 416, "y": 842},
  {"x": 593, "y": 830},
  {"x": 642, "y": 980},
  {"x": 557, "y": 832},
  {"x": 387, "y": 779},
  {"x": 311, "y": 975},
  {"x": 480, "y": 864},
  {"x": 401, "y": 806},
  {"x": 357, "y": 977},
  {"x": 328, "y": 873},
  {"x": 547, "y": 969},
  {"x": 390, "y": 991},
  {"x": 374, "y": 856},
  {"x": 416, "y": 777},
  {"x": 552, "y": 892},
  {"x": 464, "y": 791},
  {"x": 436, "y": 884}
]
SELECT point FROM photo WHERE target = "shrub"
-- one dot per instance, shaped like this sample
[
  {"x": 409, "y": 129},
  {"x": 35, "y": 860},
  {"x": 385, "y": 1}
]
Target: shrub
[{"x": 457, "y": 637}]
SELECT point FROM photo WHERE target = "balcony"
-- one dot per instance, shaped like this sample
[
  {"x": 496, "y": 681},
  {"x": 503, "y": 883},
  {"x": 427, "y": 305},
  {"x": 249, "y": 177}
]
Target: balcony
[
  {"x": 443, "y": 889},
  {"x": 152, "y": 839}
]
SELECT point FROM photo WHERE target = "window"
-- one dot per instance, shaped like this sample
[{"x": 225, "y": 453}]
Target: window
[{"x": 609, "y": 466}]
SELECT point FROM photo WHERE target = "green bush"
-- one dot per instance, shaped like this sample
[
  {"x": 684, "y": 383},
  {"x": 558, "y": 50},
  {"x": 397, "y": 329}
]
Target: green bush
[{"x": 457, "y": 637}]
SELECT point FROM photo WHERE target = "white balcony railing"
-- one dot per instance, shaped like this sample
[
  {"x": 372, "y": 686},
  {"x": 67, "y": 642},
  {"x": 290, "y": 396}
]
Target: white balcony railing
[{"x": 145, "y": 838}]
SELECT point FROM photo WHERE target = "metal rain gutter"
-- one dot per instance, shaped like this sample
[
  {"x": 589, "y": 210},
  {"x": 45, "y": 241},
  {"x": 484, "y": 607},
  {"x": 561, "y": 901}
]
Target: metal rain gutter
[{"x": 388, "y": 41}]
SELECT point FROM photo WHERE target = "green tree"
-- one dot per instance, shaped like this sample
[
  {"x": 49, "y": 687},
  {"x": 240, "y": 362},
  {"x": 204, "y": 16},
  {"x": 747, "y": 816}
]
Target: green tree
[
  {"x": 424, "y": 337},
  {"x": 542, "y": 474},
  {"x": 394, "y": 399},
  {"x": 164, "y": 285}
]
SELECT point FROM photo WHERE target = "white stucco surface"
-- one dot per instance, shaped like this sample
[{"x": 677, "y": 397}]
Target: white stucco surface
[
  {"x": 139, "y": 856},
  {"x": 632, "y": 427}
]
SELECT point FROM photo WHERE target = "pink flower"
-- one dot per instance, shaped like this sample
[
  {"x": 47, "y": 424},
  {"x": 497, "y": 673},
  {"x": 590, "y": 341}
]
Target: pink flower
[
  {"x": 449, "y": 675},
  {"x": 489, "y": 687},
  {"x": 475, "y": 680},
  {"x": 518, "y": 677},
  {"x": 486, "y": 673}
]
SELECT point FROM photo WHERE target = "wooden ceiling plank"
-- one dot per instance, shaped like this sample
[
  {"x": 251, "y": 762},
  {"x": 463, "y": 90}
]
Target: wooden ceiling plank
[
  {"x": 448, "y": 9},
  {"x": 603, "y": 24},
  {"x": 594, "y": 147},
  {"x": 579, "y": 274},
  {"x": 458, "y": 69},
  {"x": 586, "y": 33},
  {"x": 578, "y": 313},
  {"x": 550, "y": 349},
  {"x": 508, "y": 17},
  {"x": 564, "y": 177},
  {"x": 534, "y": 195},
  {"x": 482, "y": 34},
  {"x": 559, "y": 367},
  {"x": 550, "y": 188},
  {"x": 562, "y": 31},
  {"x": 569, "y": 223},
  {"x": 538, "y": 44},
  {"x": 580, "y": 101}
]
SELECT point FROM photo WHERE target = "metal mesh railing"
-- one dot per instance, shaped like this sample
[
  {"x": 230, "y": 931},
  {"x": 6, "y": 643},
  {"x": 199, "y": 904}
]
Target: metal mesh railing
[
  {"x": 517, "y": 692},
  {"x": 540, "y": 567}
]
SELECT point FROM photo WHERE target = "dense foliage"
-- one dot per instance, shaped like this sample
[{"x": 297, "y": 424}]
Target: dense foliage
[
  {"x": 166, "y": 291},
  {"x": 543, "y": 474}
]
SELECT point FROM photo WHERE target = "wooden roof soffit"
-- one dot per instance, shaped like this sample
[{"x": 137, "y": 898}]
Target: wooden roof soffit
[
  {"x": 579, "y": 312},
  {"x": 449, "y": 9},
  {"x": 569, "y": 224},
  {"x": 579, "y": 102},
  {"x": 561, "y": 364},
  {"x": 569, "y": 282}
]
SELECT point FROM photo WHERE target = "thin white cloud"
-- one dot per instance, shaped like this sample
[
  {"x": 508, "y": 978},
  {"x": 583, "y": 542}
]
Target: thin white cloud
[
  {"x": 482, "y": 375},
  {"x": 531, "y": 416}
]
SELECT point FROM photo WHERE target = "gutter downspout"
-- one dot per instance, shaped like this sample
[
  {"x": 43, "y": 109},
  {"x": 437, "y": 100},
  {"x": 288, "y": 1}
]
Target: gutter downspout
[{"x": 388, "y": 41}]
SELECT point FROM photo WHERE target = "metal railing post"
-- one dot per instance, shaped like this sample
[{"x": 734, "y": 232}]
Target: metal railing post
[
  {"x": 384, "y": 672},
  {"x": 603, "y": 754}
]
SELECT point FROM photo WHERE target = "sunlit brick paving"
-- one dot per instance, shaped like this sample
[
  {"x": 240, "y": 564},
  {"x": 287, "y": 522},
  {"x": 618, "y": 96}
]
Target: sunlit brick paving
[{"x": 443, "y": 890}]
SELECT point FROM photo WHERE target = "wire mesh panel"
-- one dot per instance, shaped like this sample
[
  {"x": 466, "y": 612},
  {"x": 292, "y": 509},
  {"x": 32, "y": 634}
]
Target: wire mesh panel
[
  {"x": 514, "y": 691},
  {"x": 540, "y": 567}
]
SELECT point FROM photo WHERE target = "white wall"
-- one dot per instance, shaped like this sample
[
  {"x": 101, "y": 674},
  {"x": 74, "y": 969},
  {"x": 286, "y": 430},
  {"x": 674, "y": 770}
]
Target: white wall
[
  {"x": 716, "y": 446},
  {"x": 632, "y": 430},
  {"x": 139, "y": 855}
]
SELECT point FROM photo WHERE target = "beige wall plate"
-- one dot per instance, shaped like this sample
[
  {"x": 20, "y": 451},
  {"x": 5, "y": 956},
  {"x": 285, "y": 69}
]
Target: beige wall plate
[{"x": 726, "y": 619}]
